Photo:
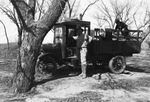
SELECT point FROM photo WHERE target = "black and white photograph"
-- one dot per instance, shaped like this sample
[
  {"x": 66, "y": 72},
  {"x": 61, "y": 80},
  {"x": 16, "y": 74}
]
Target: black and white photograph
[{"x": 74, "y": 50}]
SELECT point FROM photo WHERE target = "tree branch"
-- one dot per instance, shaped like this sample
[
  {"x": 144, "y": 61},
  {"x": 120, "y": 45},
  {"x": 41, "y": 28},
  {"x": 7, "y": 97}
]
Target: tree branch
[
  {"x": 40, "y": 8},
  {"x": 50, "y": 17},
  {"x": 20, "y": 7},
  {"x": 88, "y": 7},
  {"x": 31, "y": 11},
  {"x": 6, "y": 35}
]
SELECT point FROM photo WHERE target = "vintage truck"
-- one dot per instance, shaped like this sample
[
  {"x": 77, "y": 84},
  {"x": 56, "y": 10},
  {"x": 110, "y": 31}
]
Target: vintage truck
[{"x": 109, "y": 49}]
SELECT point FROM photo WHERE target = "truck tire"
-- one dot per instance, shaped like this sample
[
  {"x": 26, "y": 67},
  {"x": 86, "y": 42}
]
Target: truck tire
[
  {"x": 117, "y": 64},
  {"x": 47, "y": 66}
]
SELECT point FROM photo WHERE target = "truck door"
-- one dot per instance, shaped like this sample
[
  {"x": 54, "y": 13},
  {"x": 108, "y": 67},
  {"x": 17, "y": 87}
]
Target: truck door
[{"x": 70, "y": 42}]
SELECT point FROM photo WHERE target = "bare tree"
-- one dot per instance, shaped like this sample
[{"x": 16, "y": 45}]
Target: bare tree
[
  {"x": 6, "y": 35},
  {"x": 145, "y": 18},
  {"x": 71, "y": 10},
  {"x": 33, "y": 33},
  {"x": 108, "y": 13},
  {"x": 90, "y": 4},
  {"x": 144, "y": 23},
  {"x": 41, "y": 7},
  {"x": 11, "y": 14}
]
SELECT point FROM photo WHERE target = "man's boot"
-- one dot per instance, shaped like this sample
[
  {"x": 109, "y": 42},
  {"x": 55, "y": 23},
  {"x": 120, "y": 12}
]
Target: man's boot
[{"x": 83, "y": 68}]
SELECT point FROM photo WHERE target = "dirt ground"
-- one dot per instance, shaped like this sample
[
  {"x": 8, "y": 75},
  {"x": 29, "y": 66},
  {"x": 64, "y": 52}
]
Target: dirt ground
[{"x": 100, "y": 85}]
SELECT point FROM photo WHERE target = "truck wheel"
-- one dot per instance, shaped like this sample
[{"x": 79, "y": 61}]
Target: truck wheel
[
  {"x": 117, "y": 64},
  {"x": 47, "y": 66}
]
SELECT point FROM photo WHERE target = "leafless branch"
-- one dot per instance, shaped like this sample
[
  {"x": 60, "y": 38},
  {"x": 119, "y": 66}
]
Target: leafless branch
[
  {"x": 19, "y": 12},
  {"x": 6, "y": 35},
  {"x": 107, "y": 13},
  {"x": 115, "y": 9},
  {"x": 41, "y": 11},
  {"x": 89, "y": 6}
]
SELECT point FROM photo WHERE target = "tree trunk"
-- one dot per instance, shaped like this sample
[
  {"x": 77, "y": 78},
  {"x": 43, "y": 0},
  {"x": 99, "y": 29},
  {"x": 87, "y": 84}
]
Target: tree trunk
[
  {"x": 23, "y": 79},
  {"x": 33, "y": 36}
]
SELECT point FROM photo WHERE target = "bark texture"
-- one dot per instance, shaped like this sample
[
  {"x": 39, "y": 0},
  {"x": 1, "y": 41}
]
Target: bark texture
[{"x": 33, "y": 35}]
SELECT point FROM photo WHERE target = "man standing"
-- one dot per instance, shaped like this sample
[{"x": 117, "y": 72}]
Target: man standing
[{"x": 82, "y": 41}]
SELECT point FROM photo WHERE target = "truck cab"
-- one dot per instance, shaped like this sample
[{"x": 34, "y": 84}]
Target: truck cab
[
  {"x": 63, "y": 35},
  {"x": 63, "y": 49}
]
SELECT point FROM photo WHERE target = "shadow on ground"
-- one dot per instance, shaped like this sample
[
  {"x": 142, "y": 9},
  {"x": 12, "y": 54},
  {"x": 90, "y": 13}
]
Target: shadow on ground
[
  {"x": 70, "y": 72},
  {"x": 91, "y": 70},
  {"x": 139, "y": 69}
]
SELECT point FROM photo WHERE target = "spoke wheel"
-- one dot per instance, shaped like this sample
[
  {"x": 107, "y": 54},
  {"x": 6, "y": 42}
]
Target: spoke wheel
[
  {"x": 47, "y": 66},
  {"x": 117, "y": 64}
]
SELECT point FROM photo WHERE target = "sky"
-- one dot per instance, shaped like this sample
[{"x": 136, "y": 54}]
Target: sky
[{"x": 12, "y": 30}]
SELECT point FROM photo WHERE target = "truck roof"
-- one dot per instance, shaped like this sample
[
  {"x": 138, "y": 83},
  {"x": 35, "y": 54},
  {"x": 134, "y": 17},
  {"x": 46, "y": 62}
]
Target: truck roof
[{"x": 74, "y": 22}]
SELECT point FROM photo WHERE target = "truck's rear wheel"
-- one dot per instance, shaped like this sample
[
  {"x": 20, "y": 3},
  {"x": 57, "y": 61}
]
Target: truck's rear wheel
[
  {"x": 47, "y": 65},
  {"x": 117, "y": 64}
]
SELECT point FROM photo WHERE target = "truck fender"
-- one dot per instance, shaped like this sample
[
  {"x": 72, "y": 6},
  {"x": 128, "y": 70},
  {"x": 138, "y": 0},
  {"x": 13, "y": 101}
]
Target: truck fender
[{"x": 55, "y": 57}]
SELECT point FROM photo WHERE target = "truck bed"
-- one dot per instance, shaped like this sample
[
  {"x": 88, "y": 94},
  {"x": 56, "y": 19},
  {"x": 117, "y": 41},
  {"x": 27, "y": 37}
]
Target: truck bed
[{"x": 100, "y": 47}]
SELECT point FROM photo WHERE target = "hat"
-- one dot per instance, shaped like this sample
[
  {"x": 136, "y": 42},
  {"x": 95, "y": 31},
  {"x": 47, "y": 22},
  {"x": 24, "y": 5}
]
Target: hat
[
  {"x": 80, "y": 29},
  {"x": 117, "y": 20}
]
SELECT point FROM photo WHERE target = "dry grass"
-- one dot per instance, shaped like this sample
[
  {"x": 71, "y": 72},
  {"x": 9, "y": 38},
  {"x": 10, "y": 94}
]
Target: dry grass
[{"x": 137, "y": 63}]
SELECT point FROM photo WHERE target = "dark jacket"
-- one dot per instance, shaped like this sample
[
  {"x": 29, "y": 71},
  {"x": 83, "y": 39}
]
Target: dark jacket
[{"x": 123, "y": 27}]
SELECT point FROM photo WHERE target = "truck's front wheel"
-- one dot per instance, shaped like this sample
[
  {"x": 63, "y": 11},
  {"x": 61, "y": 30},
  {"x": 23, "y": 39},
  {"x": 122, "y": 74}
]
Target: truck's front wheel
[{"x": 46, "y": 65}]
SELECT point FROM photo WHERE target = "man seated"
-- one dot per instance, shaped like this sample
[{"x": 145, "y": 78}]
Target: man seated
[{"x": 122, "y": 27}]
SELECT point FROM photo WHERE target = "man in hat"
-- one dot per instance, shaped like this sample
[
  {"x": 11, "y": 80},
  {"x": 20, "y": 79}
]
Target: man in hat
[{"x": 82, "y": 41}]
